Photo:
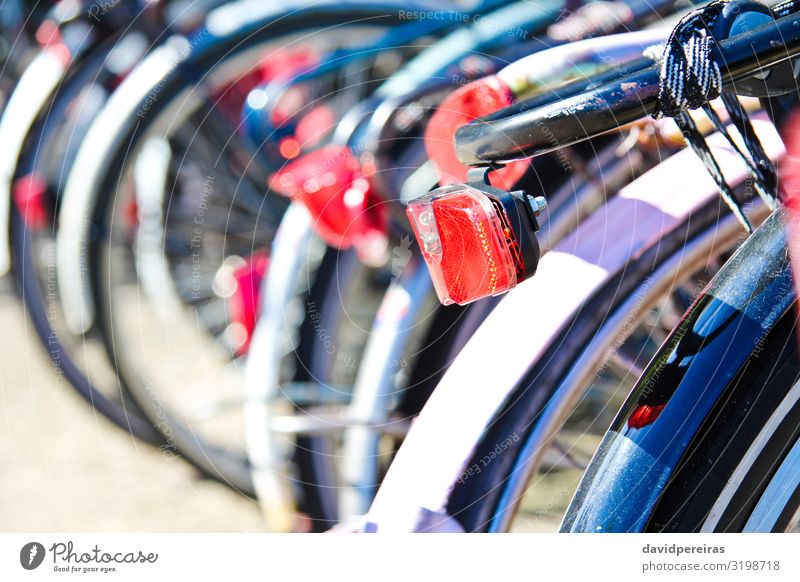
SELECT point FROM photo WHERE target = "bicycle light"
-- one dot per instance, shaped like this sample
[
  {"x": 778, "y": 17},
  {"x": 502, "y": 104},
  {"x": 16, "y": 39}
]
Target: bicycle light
[
  {"x": 466, "y": 104},
  {"x": 335, "y": 187},
  {"x": 477, "y": 240}
]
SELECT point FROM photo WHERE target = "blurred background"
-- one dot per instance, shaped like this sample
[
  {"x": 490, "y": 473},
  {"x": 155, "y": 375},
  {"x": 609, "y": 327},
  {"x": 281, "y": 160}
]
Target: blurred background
[
  {"x": 204, "y": 213},
  {"x": 254, "y": 169},
  {"x": 68, "y": 470}
]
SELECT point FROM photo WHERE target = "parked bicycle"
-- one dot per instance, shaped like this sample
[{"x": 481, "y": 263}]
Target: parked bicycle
[{"x": 427, "y": 266}]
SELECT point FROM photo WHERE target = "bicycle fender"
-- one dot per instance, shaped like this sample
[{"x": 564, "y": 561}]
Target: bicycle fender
[{"x": 695, "y": 368}]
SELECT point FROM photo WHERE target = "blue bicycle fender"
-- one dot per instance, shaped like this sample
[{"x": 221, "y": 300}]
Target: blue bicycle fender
[{"x": 694, "y": 369}]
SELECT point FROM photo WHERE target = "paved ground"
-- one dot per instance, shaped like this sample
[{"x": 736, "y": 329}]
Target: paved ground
[{"x": 64, "y": 469}]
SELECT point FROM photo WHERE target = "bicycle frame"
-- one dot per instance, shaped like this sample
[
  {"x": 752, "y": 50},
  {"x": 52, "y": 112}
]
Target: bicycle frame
[{"x": 583, "y": 111}]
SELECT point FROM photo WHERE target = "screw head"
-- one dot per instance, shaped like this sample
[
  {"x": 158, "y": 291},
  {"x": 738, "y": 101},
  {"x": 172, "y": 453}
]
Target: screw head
[{"x": 538, "y": 204}]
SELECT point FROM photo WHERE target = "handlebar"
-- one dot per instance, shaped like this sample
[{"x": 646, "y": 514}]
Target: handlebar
[{"x": 584, "y": 110}]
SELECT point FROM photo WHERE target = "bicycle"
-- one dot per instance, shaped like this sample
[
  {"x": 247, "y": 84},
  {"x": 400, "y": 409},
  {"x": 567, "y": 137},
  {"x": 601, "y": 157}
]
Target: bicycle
[{"x": 489, "y": 504}]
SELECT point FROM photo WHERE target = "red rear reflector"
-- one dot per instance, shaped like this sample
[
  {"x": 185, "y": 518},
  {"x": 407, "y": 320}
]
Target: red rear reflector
[
  {"x": 314, "y": 126},
  {"x": 467, "y": 242},
  {"x": 245, "y": 300},
  {"x": 283, "y": 63},
  {"x": 48, "y": 33},
  {"x": 466, "y": 104},
  {"x": 289, "y": 104},
  {"x": 790, "y": 164},
  {"x": 30, "y": 194},
  {"x": 332, "y": 185},
  {"x": 279, "y": 64},
  {"x": 49, "y": 37}
]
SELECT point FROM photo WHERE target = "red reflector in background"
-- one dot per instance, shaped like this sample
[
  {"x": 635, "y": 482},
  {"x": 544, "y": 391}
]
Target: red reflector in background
[
  {"x": 245, "y": 300},
  {"x": 314, "y": 126},
  {"x": 644, "y": 415},
  {"x": 330, "y": 182},
  {"x": 30, "y": 193},
  {"x": 470, "y": 102}
]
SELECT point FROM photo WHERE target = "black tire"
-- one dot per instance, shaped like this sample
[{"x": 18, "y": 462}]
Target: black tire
[
  {"x": 122, "y": 411},
  {"x": 333, "y": 285}
]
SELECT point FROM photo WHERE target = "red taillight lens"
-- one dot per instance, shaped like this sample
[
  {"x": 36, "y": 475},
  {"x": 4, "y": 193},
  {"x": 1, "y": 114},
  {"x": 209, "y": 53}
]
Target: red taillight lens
[
  {"x": 331, "y": 184},
  {"x": 790, "y": 165},
  {"x": 48, "y": 34},
  {"x": 278, "y": 64},
  {"x": 290, "y": 104},
  {"x": 470, "y": 102},
  {"x": 467, "y": 242}
]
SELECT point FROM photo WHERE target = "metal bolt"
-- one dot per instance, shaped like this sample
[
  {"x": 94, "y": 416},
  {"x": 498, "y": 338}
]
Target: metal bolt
[{"x": 537, "y": 203}]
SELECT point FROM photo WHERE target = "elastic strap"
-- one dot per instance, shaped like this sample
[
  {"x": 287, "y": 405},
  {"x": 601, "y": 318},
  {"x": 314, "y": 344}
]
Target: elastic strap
[{"x": 690, "y": 77}]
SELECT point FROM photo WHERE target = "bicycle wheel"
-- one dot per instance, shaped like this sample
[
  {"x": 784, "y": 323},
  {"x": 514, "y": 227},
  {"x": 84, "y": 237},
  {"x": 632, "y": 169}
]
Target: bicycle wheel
[
  {"x": 733, "y": 465},
  {"x": 415, "y": 340},
  {"x": 748, "y": 449},
  {"x": 55, "y": 102},
  {"x": 132, "y": 116},
  {"x": 33, "y": 170},
  {"x": 465, "y": 490},
  {"x": 736, "y": 467}
]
